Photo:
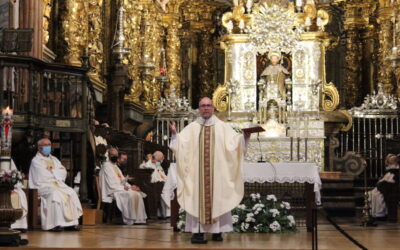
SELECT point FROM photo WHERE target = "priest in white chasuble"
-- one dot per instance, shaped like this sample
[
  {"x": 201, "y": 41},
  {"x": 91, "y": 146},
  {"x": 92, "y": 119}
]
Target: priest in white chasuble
[
  {"x": 114, "y": 185},
  {"x": 60, "y": 207},
  {"x": 209, "y": 156}
]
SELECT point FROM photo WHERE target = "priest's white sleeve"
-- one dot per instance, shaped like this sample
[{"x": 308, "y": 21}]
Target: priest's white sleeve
[{"x": 173, "y": 143}]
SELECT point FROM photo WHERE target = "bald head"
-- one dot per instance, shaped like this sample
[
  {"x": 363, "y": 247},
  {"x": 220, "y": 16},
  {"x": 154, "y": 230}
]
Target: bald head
[
  {"x": 206, "y": 107},
  {"x": 391, "y": 159},
  {"x": 44, "y": 146},
  {"x": 44, "y": 142},
  {"x": 158, "y": 156},
  {"x": 112, "y": 152}
]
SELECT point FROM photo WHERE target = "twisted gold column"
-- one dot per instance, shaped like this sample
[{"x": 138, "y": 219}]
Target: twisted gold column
[
  {"x": 173, "y": 47},
  {"x": 75, "y": 30},
  {"x": 206, "y": 63},
  {"x": 95, "y": 42},
  {"x": 385, "y": 46},
  {"x": 352, "y": 67},
  {"x": 132, "y": 33}
]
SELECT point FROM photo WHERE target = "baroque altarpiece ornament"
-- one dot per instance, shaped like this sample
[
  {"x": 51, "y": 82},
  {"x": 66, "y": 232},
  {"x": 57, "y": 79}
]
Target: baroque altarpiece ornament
[{"x": 288, "y": 101}]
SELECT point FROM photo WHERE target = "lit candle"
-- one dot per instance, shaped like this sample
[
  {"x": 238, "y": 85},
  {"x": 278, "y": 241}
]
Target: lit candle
[
  {"x": 6, "y": 131},
  {"x": 7, "y": 112}
]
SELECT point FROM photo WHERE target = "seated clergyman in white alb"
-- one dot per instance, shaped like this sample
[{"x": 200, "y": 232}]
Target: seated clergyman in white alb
[
  {"x": 113, "y": 185},
  {"x": 18, "y": 200},
  {"x": 60, "y": 207},
  {"x": 158, "y": 174}
]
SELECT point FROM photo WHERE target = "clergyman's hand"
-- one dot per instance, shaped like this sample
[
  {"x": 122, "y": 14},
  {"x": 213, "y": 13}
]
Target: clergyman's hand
[
  {"x": 172, "y": 127},
  {"x": 135, "y": 188}
]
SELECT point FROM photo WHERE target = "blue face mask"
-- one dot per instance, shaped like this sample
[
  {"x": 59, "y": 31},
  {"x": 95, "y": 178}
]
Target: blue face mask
[
  {"x": 158, "y": 163},
  {"x": 46, "y": 150}
]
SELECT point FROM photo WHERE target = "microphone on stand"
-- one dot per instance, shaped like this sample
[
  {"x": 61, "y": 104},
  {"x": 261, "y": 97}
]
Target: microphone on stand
[{"x": 259, "y": 145}]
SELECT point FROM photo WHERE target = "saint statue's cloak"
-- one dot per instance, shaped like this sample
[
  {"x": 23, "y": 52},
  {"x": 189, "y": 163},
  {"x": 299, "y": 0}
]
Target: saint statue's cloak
[{"x": 212, "y": 150}]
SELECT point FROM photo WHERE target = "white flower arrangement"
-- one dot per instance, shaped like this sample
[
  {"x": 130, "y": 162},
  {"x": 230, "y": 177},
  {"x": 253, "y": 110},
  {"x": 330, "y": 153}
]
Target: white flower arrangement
[
  {"x": 292, "y": 222},
  {"x": 271, "y": 197},
  {"x": 275, "y": 226},
  {"x": 274, "y": 212},
  {"x": 286, "y": 205},
  {"x": 241, "y": 206},
  {"x": 257, "y": 214}
]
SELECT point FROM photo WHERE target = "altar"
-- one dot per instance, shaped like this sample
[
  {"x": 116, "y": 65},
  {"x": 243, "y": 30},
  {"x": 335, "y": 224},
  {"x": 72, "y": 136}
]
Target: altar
[{"x": 296, "y": 182}]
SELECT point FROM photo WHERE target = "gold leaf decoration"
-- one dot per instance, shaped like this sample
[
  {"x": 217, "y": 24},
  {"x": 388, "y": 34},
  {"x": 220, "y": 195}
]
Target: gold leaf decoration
[
  {"x": 330, "y": 97},
  {"x": 221, "y": 98}
]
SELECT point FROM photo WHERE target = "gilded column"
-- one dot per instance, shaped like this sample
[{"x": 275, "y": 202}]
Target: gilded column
[
  {"x": 206, "y": 62},
  {"x": 75, "y": 30},
  {"x": 356, "y": 25},
  {"x": 397, "y": 41},
  {"x": 173, "y": 56},
  {"x": 152, "y": 48},
  {"x": 95, "y": 42},
  {"x": 385, "y": 45},
  {"x": 132, "y": 23},
  {"x": 47, "y": 4},
  {"x": 369, "y": 67},
  {"x": 352, "y": 67}
]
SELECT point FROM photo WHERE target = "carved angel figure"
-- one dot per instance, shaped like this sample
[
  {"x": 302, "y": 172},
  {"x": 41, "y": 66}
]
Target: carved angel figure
[{"x": 163, "y": 4}]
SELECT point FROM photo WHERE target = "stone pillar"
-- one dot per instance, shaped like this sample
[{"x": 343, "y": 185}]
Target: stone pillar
[
  {"x": 31, "y": 16},
  {"x": 240, "y": 65},
  {"x": 308, "y": 68}
]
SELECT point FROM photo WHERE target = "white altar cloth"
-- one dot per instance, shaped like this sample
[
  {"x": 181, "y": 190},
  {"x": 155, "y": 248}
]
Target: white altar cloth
[{"x": 281, "y": 172}]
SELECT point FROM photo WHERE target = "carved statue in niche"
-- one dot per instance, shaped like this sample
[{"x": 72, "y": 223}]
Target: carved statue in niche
[
  {"x": 274, "y": 76},
  {"x": 163, "y": 5}
]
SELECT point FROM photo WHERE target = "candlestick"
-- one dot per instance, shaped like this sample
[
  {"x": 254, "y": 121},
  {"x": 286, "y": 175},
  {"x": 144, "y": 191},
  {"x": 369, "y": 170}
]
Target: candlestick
[
  {"x": 291, "y": 148},
  {"x": 298, "y": 148},
  {"x": 6, "y": 136}
]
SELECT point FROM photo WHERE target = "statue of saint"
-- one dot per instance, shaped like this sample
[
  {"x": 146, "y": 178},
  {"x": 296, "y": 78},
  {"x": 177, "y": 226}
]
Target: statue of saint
[{"x": 275, "y": 75}]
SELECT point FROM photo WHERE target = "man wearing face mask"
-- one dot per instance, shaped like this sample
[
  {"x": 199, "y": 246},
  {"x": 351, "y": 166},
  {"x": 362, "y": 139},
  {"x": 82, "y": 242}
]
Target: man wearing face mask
[
  {"x": 60, "y": 207},
  {"x": 158, "y": 174},
  {"x": 114, "y": 185}
]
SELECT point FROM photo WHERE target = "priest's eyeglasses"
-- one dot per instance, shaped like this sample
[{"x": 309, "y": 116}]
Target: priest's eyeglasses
[{"x": 205, "y": 105}]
